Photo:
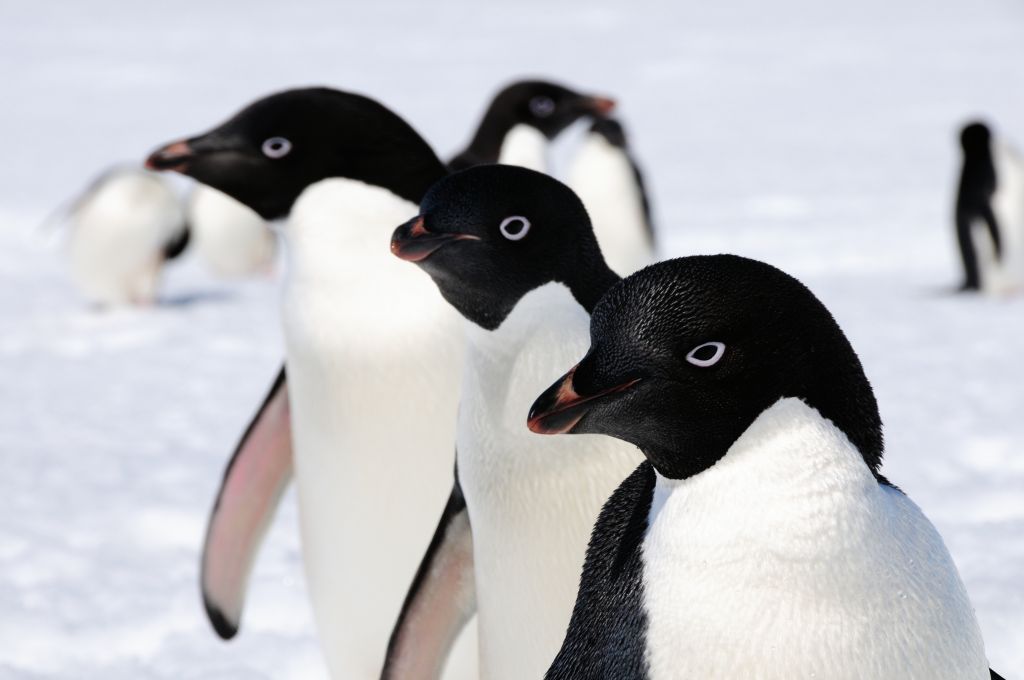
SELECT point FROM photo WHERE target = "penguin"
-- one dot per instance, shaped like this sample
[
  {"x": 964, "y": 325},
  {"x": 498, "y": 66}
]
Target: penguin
[
  {"x": 759, "y": 538},
  {"x": 228, "y": 237},
  {"x": 520, "y": 121},
  {"x": 605, "y": 176},
  {"x": 513, "y": 251},
  {"x": 124, "y": 227},
  {"x": 365, "y": 412}
]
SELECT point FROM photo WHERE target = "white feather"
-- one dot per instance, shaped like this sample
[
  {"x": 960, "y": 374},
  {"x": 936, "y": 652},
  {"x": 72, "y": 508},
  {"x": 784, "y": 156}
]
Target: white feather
[
  {"x": 532, "y": 499},
  {"x": 787, "y": 559},
  {"x": 525, "y": 146},
  {"x": 603, "y": 178},
  {"x": 228, "y": 236},
  {"x": 374, "y": 360},
  {"x": 119, "y": 229},
  {"x": 1006, "y": 274}
]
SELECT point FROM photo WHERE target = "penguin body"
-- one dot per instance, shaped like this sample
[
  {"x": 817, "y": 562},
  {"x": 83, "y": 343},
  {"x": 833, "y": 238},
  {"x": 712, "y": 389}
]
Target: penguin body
[
  {"x": 123, "y": 229},
  {"x": 759, "y": 538},
  {"x": 530, "y": 505},
  {"x": 989, "y": 212},
  {"x": 230, "y": 239},
  {"x": 364, "y": 333},
  {"x": 606, "y": 178}
]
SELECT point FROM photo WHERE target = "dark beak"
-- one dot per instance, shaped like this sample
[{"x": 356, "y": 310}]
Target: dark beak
[
  {"x": 413, "y": 243},
  {"x": 174, "y": 156},
  {"x": 599, "y": 106},
  {"x": 560, "y": 408}
]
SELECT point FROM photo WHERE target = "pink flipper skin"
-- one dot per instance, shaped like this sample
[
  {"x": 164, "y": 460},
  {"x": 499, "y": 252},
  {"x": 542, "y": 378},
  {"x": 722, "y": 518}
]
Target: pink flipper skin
[{"x": 254, "y": 481}]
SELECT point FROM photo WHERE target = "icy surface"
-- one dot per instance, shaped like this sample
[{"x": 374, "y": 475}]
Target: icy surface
[{"x": 815, "y": 136}]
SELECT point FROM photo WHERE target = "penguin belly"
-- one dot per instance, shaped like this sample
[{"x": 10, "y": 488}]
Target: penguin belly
[
  {"x": 602, "y": 175},
  {"x": 787, "y": 559},
  {"x": 231, "y": 239},
  {"x": 118, "y": 233},
  {"x": 1007, "y": 273},
  {"x": 374, "y": 362},
  {"x": 532, "y": 500}
]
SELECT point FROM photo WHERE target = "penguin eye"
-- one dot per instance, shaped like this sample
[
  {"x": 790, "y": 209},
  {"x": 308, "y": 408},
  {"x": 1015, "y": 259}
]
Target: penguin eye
[
  {"x": 276, "y": 147},
  {"x": 707, "y": 354},
  {"x": 515, "y": 228},
  {"x": 542, "y": 106}
]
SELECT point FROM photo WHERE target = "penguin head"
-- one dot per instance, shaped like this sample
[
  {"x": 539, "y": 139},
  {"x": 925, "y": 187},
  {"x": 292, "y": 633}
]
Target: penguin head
[
  {"x": 611, "y": 130},
  {"x": 269, "y": 152},
  {"x": 490, "y": 234},
  {"x": 975, "y": 137},
  {"x": 546, "y": 106},
  {"x": 687, "y": 353}
]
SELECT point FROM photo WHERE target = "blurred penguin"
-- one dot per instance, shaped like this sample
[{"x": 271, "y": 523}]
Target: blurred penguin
[
  {"x": 989, "y": 211},
  {"x": 123, "y": 228},
  {"x": 229, "y": 237},
  {"x": 604, "y": 174}
]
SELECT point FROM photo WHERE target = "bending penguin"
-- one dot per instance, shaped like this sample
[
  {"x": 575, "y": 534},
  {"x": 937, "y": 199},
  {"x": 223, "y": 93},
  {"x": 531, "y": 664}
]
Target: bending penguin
[
  {"x": 124, "y": 227},
  {"x": 989, "y": 211},
  {"x": 606, "y": 177},
  {"x": 343, "y": 170},
  {"x": 229, "y": 237},
  {"x": 521, "y": 120},
  {"x": 759, "y": 538},
  {"x": 513, "y": 251}
]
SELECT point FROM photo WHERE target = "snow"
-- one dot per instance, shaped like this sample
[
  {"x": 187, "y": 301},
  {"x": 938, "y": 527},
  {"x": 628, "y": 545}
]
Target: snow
[{"x": 818, "y": 137}]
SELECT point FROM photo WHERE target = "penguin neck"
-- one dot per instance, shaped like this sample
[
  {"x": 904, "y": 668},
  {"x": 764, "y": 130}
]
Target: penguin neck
[
  {"x": 485, "y": 147},
  {"x": 590, "y": 280},
  {"x": 406, "y": 174},
  {"x": 526, "y": 147}
]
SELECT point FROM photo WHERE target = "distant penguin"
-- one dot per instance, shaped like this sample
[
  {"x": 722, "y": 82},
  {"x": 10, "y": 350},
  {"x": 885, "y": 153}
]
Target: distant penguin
[
  {"x": 513, "y": 251},
  {"x": 123, "y": 228},
  {"x": 521, "y": 120},
  {"x": 604, "y": 174},
  {"x": 374, "y": 359},
  {"x": 227, "y": 236},
  {"x": 989, "y": 212},
  {"x": 759, "y": 538}
]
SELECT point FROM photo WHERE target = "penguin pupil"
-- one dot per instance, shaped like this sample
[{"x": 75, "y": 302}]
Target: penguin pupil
[{"x": 705, "y": 353}]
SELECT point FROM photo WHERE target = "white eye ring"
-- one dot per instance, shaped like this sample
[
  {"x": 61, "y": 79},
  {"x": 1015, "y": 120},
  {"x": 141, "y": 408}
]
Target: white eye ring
[
  {"x": 276, "y": 147},
  {"x": 542, "y": 106},
  {"x": 515, "y": 235},
  {"x": 704, "y": 363}
]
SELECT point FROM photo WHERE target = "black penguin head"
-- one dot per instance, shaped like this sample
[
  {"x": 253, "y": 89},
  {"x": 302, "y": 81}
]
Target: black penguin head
[
  {"x": 975, "y": 137},
  {"x": 611, "y": 130},
  {"x": 546, "y": 106},
  {"x": 490, "y": 234},
  {"x": 268, "y": 153},
  {"x": 687, "y": 353}
]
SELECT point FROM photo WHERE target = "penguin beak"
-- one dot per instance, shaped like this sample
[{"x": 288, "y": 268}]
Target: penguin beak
[
  {"x": 560, "y": 408},
  {"x": 413, "y": 243},
  {"x": 174, "y": 156},
  {"x": 599, "y": 106}
]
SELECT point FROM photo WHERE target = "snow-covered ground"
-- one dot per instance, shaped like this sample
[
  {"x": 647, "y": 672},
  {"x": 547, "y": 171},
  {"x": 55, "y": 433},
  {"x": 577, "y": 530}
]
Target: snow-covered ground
[{"x": 815, "y": 136}]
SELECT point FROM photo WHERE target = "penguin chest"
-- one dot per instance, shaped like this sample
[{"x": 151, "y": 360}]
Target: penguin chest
[
  {"x": 787, "y": 559},
  {"x": 231, "y": 238},
  {"x": 516, "y": 483},
  {"x": 526, "y": 147}
]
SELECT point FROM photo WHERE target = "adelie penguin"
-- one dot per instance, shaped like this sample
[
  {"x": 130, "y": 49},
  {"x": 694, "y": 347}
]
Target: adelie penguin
[
  {"x": 513, "y": 251},
  {"x": 365, "y": 334},
  {"x": 759, "y": 539},
  {"x": 123, "y": 229},
  {"x": 989, "y": 212},
  {"x": 521, "y": 120},
  {"x": 605, "y": 176}
]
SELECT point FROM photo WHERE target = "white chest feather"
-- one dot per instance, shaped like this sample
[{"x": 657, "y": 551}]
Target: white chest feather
[
  {"x": 374, "y": 363},
  {"x": 603, "y": 178},
  {"x": 788, "y": 560},
  {"x": 1007, "y": 273},
  {"x": 118, "y": 234},
  {"x": 229, "y": 237},
  {"x": 526, "y": 147},
  {"x": 532, "y": 498}
]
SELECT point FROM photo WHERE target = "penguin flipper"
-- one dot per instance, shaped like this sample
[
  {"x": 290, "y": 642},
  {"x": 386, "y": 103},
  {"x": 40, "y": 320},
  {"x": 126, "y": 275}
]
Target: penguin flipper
[
  {"x": 255, "y": 479},
  {"x": 440, "y": 602},
  {"x": 995, "y": 676}
]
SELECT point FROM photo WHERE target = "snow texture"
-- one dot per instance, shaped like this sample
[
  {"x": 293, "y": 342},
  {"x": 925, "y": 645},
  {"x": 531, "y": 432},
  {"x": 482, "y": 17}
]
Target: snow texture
[{"x": 816, "y": 136}]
